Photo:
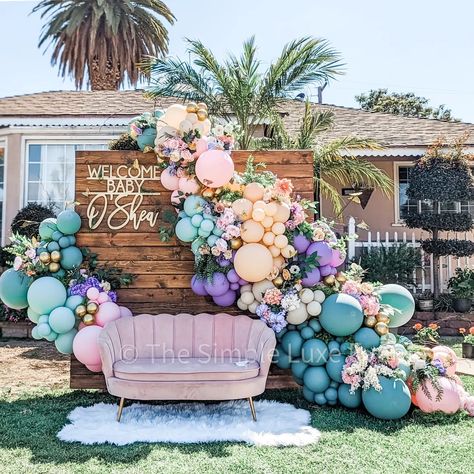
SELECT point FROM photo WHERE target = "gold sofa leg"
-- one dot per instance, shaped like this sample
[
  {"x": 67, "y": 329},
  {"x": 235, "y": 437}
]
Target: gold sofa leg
[
  {"x": 120, "y": 408},
  {"x": 252, "y": 409}
]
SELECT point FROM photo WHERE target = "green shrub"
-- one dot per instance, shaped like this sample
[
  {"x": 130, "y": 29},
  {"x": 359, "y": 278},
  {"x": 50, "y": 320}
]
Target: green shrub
[
  {"x": 28, "y": 219},
  {"x": 124, "y": 142}
]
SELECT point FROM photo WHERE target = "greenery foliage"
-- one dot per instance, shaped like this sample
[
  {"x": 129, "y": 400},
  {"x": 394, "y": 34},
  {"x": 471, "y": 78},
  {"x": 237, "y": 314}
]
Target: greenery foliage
[
  {"x": 27, "y": 220},
  {"x": 256, "y": 173},
  {"x": 443, "y": 247},
  {"x": 462, "y": 283},
  {"x": 124, "y": 142},
  {"x": 448, "y": 221}
]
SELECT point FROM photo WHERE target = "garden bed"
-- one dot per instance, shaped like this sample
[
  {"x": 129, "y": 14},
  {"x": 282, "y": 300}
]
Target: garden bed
[{"x": 449, "y": 323}]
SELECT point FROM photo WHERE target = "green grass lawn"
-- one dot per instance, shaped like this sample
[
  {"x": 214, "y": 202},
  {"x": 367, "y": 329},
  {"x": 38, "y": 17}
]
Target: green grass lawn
[{"x": 351, "y": 442}]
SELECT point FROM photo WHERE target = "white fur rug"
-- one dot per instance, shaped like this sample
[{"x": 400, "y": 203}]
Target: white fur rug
[{"x": 278, "y": 424}]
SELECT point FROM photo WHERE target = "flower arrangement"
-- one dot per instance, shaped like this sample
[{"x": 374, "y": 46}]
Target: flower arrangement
[
  {"x": 26, "y": 259},
  {"x": 426, "y": 334},
  {"x": 141, "y": 123},
  {"x": 468, "y": 335}
]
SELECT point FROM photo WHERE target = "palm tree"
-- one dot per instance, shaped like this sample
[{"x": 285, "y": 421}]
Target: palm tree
[
  {"x": 105, "y": 38},
  {"x": 240, "y": 85}
]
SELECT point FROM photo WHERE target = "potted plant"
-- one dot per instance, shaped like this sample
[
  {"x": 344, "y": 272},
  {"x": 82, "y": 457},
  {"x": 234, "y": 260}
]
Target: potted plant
[
  {"x": 468, "y": 342},
  {"x": 426, "y": 301},
  {"x": 461, "y": 286},
  {"x": 426, "y": 335},
  {"x": 143, "y": 130}
]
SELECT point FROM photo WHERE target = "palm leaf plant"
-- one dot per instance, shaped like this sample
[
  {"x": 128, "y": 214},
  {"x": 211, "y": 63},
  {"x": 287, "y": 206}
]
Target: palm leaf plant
[{"x": 103, "y": 40}]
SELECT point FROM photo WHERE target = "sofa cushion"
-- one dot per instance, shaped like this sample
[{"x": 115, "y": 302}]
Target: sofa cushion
[{"x": 186, "y": 369}]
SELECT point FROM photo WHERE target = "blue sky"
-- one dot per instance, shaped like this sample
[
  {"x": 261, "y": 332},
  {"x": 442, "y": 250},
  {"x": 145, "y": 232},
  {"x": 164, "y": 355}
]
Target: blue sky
[{"x": 423, "y": 46}]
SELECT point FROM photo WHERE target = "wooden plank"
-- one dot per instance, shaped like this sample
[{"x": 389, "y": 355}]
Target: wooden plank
[{"x": 154, "y": 267}]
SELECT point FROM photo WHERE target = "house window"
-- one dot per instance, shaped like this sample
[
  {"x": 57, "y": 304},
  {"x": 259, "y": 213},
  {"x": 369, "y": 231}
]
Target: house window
[{"x": 50, "y": 172}]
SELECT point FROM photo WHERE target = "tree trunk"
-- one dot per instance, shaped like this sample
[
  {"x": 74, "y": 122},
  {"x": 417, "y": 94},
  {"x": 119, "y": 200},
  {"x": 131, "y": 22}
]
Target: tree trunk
[
  {"x": 104, "y": 80},
  {"x": 436, "y": 289}
]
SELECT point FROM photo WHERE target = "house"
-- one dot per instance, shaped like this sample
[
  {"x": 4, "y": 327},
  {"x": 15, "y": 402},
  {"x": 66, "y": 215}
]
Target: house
[{"x": 40, "y": 132}]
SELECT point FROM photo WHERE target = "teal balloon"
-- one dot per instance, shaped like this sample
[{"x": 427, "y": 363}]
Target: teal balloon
[
  {"x": 68, "y": 222},
  {"x": 291, "y": 343},
  {"x": 406, "y": 369},
  {"x": 35, "y": 334},
  {"x": 388, "y": 338},
  {"x": 14, "y": 289},
  {"x": 44, "y": 329},
  {"x": 402, "y": 302},
  {"x": 314, "y": 325},
  {"x": 211, "y": 240},
  {"x": 196, "y": 220},
  {"x": 185, "y": 231},
  {"x": 316, "y": 379},
  {"x": 346, "y": 348},
  {"x": 334, "y": 384},
  {"x": 71, "y": 258},
  {"x": 62, "y": 319},
  {"x": 63, "y": 342},
  {"x": 43, "y": 318},
  {"x": 72, "y": 239},
  {"x": 203, "y": 233},
  {"x": 45, "y": 294},
  {"x": 158, "y": 113},
  {"x": 320, "y": 399},
  {"x": 391, "y": 403},
  {"x": 57, "y": 235},
  {"x": 297, "y": 368},
  {"x": 47, "y": 227},
  {"x": 32, "y": 316},
  {"x": 280, "y": 334},
  {"x": 52, "y": 246},
  {"x": 341, "y": 315},
  {"x": 193, "y": 205},
  {"x": 348, "y": 399},
  {"x": 147, "y": 138},
  {"x": 52, "y": 336},
  {"x": 281, "y": 358},
  {"x": 334, "y": 366},
  {"x": 334, "y": 346},
  {"x": 64, "y": 241},
  {"x": 74, "y": 301},
  {"x": 59, "y": 274},
  {"x": 40, "y": 250},
  {"x": 308, "y": 394},
  {"x": 307, "y": 332},
  {"x": 332, "y": 402},
  {"x": 315, "y": 352},
  {"x": 207, "y": 225},
  {"x": 217, "y": 231},
  {"x": 367, "y": 338},
  {"x": 182, "y": 214},
  {"x": 331, "y": 394},
  {"x": 301, "y": 326}
]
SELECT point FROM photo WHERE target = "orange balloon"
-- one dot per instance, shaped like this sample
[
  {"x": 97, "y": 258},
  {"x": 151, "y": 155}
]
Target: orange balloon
[
  {"x": 278, "y": 228},
  {"x": 258, "y": 214},
  {"x": 267, "y": 222},
  {"x": 281, "y": 241},
  {"x": 253, "y": 262},
  {"x": 254, "y": 192},
  {"x": 271, "y": 208},
  {"x": 260, "y": 205},
  {"x": 251, "y": 231},
  {"x": 283, "y": 213},
  {"x": 278, "y": 262},
  {"x": 275, "y": 251},
  {"x": 268, "y": 238},
  {"x": 242, "y": 208}
]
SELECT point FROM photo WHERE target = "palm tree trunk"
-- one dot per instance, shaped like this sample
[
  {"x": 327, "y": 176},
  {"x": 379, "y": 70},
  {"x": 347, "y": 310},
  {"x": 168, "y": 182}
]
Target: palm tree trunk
[{"x": 104, "y": 80}]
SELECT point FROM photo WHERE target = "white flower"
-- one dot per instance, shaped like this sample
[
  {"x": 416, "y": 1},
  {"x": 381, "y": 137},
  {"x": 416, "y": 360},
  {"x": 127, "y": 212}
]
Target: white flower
[
  {"x": 17, "y": 263},
  {"x": 229, "y": 128},
  {"x": 218, "y": 130},
  {"x": 105, "y": 286}
]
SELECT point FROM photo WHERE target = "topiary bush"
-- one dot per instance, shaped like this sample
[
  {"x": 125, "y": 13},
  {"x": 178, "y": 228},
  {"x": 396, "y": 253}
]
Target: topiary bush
[
  {"x": 124, "y": 142},
  {"x": 28, "y": 219}
]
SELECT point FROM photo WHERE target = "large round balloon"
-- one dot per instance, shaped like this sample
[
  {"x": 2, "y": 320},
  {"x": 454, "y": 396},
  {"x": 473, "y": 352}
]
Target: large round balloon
[
  {"x": 347, "y": 398},
  {"x": 214, "y": 168},
  {"x": 62, "y": 320},
  {"x": 449, "y": 402},
  {"x": 185, "y": 230},
  {"x": 217, "y": 285},
  {"x": 367, "y": 338},
  {"x": 74, "y": 301},
  {"x": 71, "y": 258},
  {"x": 334, "y": 366},
  {"x": 108, "y": 311},
  {"x": 194, "y": 205},
  {"x": 341, "y": 315},
  {"x": 291, "y": 343},
  {"x": 401, "y": 300},
  {"x": 281, "y": 358},
  {"x": 14, "y": 289},
  {"x": 68, "y": 222},
  {"x": 86, "y": 347},
  {"x": 311, "y": 278},
  {"x": 316, "y": 379},
  {"x": 169, "y": 180},
  {"x": 64, "y": 342},
  {"x": 47, "y": 227},
  {"x": 391, "y": 403},
  {"x": 323, "y": 251},
  {"x": 174, "y": 115},
  {"x": 45, "y": 294},
  {"x": 315, "y": 352},
  {"x": 197, "y": 285},
  {"x": 253, "y": 262}
]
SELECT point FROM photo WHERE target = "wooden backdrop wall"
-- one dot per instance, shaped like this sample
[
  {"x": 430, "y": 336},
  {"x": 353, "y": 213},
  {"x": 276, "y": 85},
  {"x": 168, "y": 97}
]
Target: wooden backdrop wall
[{"x": 125, "y": 234}]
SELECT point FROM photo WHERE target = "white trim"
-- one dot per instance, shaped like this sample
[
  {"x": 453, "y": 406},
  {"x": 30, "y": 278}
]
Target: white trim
[
  {"x": 4, "y": 144},
  {"x": 59, "y": 121},
  {"x": 415, "y": 151},
  {"x": 396, "y": 191},
  {"x": 65, "y": 132}
]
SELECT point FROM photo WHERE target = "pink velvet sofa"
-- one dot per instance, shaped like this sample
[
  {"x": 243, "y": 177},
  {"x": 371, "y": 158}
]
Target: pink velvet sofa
[{"x": 186, "y": 357}]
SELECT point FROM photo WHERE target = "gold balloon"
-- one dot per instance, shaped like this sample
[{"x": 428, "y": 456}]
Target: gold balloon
[
  {"x": 235, "y": 244},
  {"x": 201, "y": 105},
  {"x": 278, "y": 281},
  {"x": 80, "y": 311},
  {"x": 382, "y": 318},
  {"x": 329, "y": 280},
  {"x": 370, "y": 321},
  {"x": 88, "y": 319},
  {"x": 381, "y": 329},
  {"x": 92, "y": 308},
  {"x": 340, "y": 277},
  {"x": 45, "y": 257},
  {"x": 55, "y": 255},
  {"x": 208, "y": 193},
  {"x": 192, "y": 108},
  {"x": 54, "y": 267},
  {"x": 202, "y": 115}
]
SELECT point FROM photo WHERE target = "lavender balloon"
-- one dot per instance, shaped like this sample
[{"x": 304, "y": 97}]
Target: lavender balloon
[
  {"x": 301, "y": 243},
  {"x": 232, "y": 276},
  {"x": 311, "y": 278},
  {"x": 323, "y": 250},
  {"x": 242, "y": 282},
  {"x": 218, "y": 285},
  {"x": 333, "y": 271},
  {"x": 325, "y": 270},
  {"x": 227, "y": 299},
  {"x": 197, "y": 285},
  {"x": 338, "y": 258},
  {"x": 234, "y": 286}
]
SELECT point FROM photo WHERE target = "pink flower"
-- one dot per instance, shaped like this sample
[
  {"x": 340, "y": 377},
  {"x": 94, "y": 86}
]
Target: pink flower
[
  {"x": 221, "y": 244},
  {"x": 393, "y": 363},
  {"x": 17, "y": 263},
  {"x": 186, "y": 155},
  {"x": 219, "y": 207},
  {"x": 283, "y": 187},
  {"x": 30, "y": 253},
  {"x": 181, "y": 173},
  {"x": 350, "y": 288},
  {"x": 272, "y": 296}
]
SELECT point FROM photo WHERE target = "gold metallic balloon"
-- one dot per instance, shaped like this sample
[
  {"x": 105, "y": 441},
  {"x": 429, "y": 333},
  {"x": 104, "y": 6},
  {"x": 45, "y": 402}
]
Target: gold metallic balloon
[
  {"x": 201, "y": 105},
  {"x": 55, "y": 255},
  {"x": 192, "y": 108},
  {"x": 92, "y": 307},
  {"x": 54, "y": 267},
  {"x": 278, "y": 281},
  {"x": 208, "y": 193},
  {"x": 382, "y": 318},
  {"x": 340, "y": 277},
  {"x": 381, "y": 329},
  {"x": 202, "y": 115},
  {"x": 80, "y": 311},
  {"x": 329, "y": 280},
  {"x": 88, "y": 319},
  {"x": 235, "y": 244},
  {"x": 45, "y": 257},
  {"x": 370, "y": 321}
]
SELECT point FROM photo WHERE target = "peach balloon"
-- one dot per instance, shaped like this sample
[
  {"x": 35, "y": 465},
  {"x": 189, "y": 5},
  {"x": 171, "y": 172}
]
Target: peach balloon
[
  {"x": 283, "y": 213},
  {"x": 189, "y": 185},
  {"x": 253, "y": 262},
  {"x": 278, "y": 261},
  {"x": 268, "y": 238},
  {"x": 259, "y": 205},
  {"x": 267, "y": 222},
  {"x": 278, "y": 228},
  {"x": 288, "y": 251},
  {"x": 271, "y": 209},
  {"x": 281, "y": 241},
  {"x": 174, "y": 115},
  {"x": 275, "y": 251},
  {"x": 258, "y": 214},
  {"x": 243, "y": 208},
  {"x": 169, "y": 181},
  {"x": 251, "y": 231},
  {"x": 214, "y": 168},
  {"x": 254, "y": 192}
]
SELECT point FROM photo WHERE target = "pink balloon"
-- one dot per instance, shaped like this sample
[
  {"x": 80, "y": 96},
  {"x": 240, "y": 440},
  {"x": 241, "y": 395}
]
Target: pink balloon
[
  {"x": 95, "y": 368},
  {"x": 189, "y": 185},
  {"x": 81, "y": 326},
  {"x": 103, "y": 297},
  {"x": 214, "y": 168},
  {"x": 450, "y": 401},
  {"x": 168, "y": 180},
  {"x": 448, "y": 357},
  {"x": 201, "y": 147},
  {"x": 337, "y": 258},
  {"x": 86, "y": 346},
  {"x": 125, "y": 312},
  {"x": 92, "y": 293},
  {"x": 108, "y": 311}
]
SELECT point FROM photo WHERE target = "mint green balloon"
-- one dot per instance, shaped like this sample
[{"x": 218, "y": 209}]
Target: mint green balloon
[
  {"x": 69, "y": 222},
  {"x": 34, "y": 333},
  {"x": 52, "y": 246},
  {"x": 44, "y": 318},
  {"x": 185, "y": 231},
  {"x": 52, "y": 336},
  {"x": 63, "y": 342},
  {"x": 14, "y": 288},
  {"x": 71, "y": 257},
  {"x": 193, "y": 205},
  {"x": 196, "y": 220},
  {"x": 207, "y": 225},
  {"x": 57, "y": 235},
  {"x": 47, "y": 227},
  {"x": 74, "y": 301},
  {"x": 44, "y": 329},
  {"x": 45, "y": 294},
  {"x": 217, "y": 231},
  {"x": 341, "y": 315},
  {"x": 32, "y": 316},
  {"x": 62, "y": 320},
  {"x": 402, "y": 302},
  {"x": 64, "y": 241},
  {"x": 196, "y": 244}
]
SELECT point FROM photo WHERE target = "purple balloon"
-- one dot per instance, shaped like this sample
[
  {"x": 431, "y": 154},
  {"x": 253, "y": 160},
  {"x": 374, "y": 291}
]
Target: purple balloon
[
  {"x": 197, "y": 285},
  {"x": 311, "y": 278},
  {"x": 242, "y": 282},
  {"x": 333, "y": 271},
  {"x": 323, "y": 250},
  {"x": 218, "y": 285},
  {"x": 232, "y": 276},
  {"x": 325, "y": 270},
  {"x": 337, "y": 258},
  {"x": 301, "y": 243},
  {"x": 234, "y": 286},
  {"x": 227, "y": 299}
]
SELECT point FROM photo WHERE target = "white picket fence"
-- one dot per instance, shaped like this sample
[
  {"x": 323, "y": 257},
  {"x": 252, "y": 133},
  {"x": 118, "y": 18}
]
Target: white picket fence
[{"x": 423, "y": 276}]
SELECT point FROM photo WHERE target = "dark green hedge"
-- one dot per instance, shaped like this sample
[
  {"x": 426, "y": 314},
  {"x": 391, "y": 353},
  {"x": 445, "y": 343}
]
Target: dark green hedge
[
  {"x": 456, "y": 222},
  {"x": 441, "y": 247}
]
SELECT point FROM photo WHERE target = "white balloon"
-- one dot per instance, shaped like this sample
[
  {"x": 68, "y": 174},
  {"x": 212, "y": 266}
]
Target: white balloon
[
  {"x": 163, "y": 133},
  {"x": 259, "y": 289},
  {"x": 207, "y": 126},
  {"x": 247, "y": 297},
  {"x": 306, "y": 295},
  {"x": 192, "y": 117},
  {"x": 241, "y": 305},
  {"x": 314, "y": 308},
  {"x": 245, "y": 288},
  {"x": 199, "y": 126},
  {"x": 185, "y": 126},
  {"x": 319, "y": 296},
  {"x": 174, "y": 115},
  {"x": 298, "y": 315},
  {"x": 253, "y": 307}
]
